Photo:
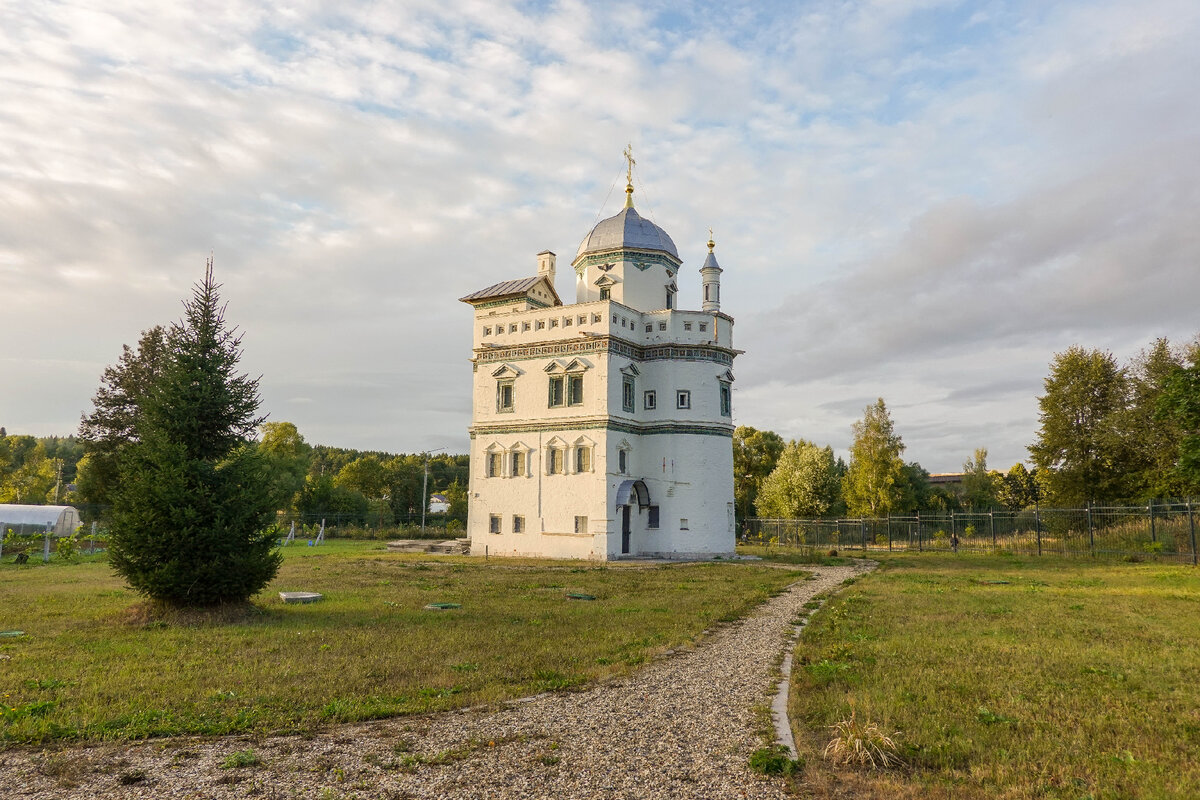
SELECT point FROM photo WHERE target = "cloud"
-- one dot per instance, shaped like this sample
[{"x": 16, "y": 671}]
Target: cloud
[{"x": 911, "y": 200}]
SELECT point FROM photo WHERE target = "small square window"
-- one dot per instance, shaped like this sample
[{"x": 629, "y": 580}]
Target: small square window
[
  {"x": 596, "y": 318},
  {"x": 581, "y": 524},
  {"x": 494, "y": 523},
  {"x": 518, "y": 523},
  {"x": 553, "y": 323},
  {"x": 541, "y": 324},
  {"x": 703, "y": 327},
  {"x": 512, "y": 328},
  {"x": 649, "y": 328},
  {"x": 614, "y": 319},
  {"x": 524, "y": 326},
  {"x": 683, "y": 399},
  {"x": 652, "y": 518},
  {"x": 605, "y": 293},
  {"x": 487, "y": 331},
  {"x": 649, "y": 399},
  {"x": 567, "y": 322},
  {"x": 683, "y": 525},
  {"x": 582, "y": 320},
  {"x": 662, "y": 326},
  {"x": 687, "y": 326}
]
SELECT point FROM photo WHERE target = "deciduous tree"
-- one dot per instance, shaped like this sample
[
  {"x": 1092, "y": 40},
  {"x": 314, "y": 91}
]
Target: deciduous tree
[
  {"x": 803, "y": 483},
  {"x": 755, "y": 454},
  {"x": 870, "y": 485},
  {"x": 1079, "y": 444}
]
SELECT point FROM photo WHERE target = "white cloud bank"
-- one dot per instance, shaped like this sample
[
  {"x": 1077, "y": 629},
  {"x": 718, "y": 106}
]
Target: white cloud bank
[{"x": 920, "y": 201}]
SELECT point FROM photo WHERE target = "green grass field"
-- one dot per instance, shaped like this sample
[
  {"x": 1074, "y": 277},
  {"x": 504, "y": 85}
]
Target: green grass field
[
  {"x": 1009, "y": 677},
  {"x": 92, "y": 667}
]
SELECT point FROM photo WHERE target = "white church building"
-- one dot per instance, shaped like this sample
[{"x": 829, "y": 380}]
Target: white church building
[{"x": 603, "y": 428}]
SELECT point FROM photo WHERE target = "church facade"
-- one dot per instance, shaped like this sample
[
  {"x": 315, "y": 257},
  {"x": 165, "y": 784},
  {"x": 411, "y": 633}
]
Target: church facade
[{"x": 603, "y": 428}]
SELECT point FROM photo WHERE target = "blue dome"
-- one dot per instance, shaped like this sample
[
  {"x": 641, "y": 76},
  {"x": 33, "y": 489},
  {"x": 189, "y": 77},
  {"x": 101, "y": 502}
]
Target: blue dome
[{"x": 627, "y": 229}]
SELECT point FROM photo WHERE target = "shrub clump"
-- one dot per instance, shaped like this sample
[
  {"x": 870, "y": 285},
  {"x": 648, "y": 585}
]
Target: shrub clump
[
  {"x": 863, "y": 744},
  {"x": 775, "y": 760}
]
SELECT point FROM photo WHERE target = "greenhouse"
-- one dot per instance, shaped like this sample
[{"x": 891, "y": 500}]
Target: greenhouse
[{"x": 61, "y": 520}]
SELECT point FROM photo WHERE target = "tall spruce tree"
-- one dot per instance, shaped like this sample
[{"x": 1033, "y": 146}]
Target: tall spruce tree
[{"x": 192, "y": 506}]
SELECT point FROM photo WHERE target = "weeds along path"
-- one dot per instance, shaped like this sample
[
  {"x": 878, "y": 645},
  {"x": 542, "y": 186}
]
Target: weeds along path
[{"x": 682, "y": 727}]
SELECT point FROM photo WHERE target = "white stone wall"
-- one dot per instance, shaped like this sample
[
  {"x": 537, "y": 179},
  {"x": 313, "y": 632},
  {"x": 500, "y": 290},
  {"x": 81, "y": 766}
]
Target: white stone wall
[{"x": 689, "y": 473}]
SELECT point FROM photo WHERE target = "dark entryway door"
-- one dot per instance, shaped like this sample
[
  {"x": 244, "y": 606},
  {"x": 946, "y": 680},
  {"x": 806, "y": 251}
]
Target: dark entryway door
[{"x": 625, "y": 530}]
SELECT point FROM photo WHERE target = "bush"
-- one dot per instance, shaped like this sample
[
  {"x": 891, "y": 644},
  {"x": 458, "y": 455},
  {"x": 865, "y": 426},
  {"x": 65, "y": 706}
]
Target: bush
[{"x": 775, "y": 760}]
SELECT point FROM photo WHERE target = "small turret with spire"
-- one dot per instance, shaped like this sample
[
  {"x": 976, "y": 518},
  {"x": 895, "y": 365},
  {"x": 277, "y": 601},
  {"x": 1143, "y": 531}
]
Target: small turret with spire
[{"x": 710, "y": 278}]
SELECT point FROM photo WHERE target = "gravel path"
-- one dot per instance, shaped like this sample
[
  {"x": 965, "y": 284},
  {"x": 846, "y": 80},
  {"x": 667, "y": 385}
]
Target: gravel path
[{"x": 681, "y": 727}]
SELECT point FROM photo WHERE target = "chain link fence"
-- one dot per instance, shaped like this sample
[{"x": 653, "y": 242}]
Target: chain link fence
[{"x": 1156, "y": 530}]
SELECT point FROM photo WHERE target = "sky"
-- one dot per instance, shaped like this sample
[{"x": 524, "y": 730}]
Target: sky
[{"x": 917, "y": 200}]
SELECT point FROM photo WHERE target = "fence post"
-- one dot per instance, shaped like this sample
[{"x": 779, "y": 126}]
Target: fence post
[
  {"x": 889, "y": 530},
  {"x": 920, "y": 546},
  {"x": 1091, "y": 531},
  {"x": 1037, "y": 524},
  {"x": 1192, "y": 527},
  {"x": 862, "y": 532},
  {"x": 953, "y": 530},
  {"x": 992, "y": 522},
  {"x": 1150, "y": 510},
  {"x": 46, "y": 546}
]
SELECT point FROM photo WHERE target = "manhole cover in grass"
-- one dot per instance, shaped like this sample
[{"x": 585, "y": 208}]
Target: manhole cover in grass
[
  {"x": 580, "y": 596},
  {"x": 443, "y": 606},
  {"x": 11, "y": 634},
  {"x": 300, "y": 597}
]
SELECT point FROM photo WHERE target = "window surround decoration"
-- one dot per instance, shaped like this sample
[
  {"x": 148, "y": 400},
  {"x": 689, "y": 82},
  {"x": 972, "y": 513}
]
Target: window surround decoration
[
  {"x": 683, "y": 398},
  {"x": 649, "y": 400}
]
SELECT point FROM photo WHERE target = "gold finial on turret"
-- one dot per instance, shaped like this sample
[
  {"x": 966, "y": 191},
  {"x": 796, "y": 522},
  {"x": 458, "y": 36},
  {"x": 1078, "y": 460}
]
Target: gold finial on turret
[
  {"x": 711, "y": 243},
  {"x": 629, "y": 176}
]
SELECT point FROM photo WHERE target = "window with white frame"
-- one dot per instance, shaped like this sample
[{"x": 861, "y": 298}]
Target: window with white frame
[
  {"x": 628, "y": 393},
  {"x": 622, "y": 461},
  {"x": 649, "y": 399},
  {"x": 554, "y": 461},
  {"x": 583, "y": 458},
  {"x": 605, "y": 293},
  {"x": 683, "y": 398},
  {"x": 518, "y": 463},
  {"x": 726, "y": 400},
  {"x": 504, "y": 395},
  {"x": 493, "y": 465}
]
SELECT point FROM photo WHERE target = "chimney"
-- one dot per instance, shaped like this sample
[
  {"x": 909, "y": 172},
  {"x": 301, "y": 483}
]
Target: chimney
[{"x": 546, "y": 265}]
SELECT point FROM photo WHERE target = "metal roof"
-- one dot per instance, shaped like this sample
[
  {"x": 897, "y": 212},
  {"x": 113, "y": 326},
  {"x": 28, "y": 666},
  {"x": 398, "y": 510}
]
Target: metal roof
[
  {"x": 518, "y": 287},
  {"x": 627, "y": 229}
]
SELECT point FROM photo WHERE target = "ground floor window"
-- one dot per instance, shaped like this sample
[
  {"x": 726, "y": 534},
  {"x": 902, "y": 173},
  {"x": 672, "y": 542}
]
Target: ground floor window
[
  {"x": 581, "y": 524},
  {"x": 494, "y": 523},
  {"x": 683, "y": 525},
  {"x": 652, "y": 517},
  {"x": 518, "y": 523}
]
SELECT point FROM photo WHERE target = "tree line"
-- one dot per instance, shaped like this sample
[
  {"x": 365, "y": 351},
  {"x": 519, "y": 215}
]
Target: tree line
[{"x": 1108, "y": 433}]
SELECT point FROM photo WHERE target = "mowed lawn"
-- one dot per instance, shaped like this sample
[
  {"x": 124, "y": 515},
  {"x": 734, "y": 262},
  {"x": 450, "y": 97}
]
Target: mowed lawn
[
  {"x": 90, "y": 667},
  {"x": 1009, "y": 677}
]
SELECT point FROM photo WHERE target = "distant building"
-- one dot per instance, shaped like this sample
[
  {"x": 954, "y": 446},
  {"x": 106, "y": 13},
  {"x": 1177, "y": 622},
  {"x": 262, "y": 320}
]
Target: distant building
[
  {"x": 60, "y": 520},
  {"x": 438, "y": 504},
  {"x": 603, "y": 428},
  {"x": 946, "y": 479}
]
